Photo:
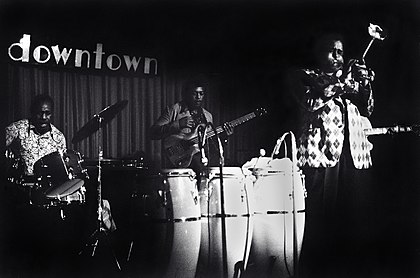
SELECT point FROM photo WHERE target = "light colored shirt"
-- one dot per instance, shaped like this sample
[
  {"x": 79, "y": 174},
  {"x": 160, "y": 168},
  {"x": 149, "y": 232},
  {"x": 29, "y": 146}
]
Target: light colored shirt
[
  {"x": 32, "y": 146},
  {"x": 168, "y": 122}
]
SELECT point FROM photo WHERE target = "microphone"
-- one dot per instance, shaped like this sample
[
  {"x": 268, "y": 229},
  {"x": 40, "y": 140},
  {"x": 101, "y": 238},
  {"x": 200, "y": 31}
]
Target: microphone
[
  {"x": 201, "y": 142},
  {"x": 262, "y": 154},
  {"x": 204, "y": 159},
  {"x": 221, "y": 157},
  {"x": 276, "y": 148}
]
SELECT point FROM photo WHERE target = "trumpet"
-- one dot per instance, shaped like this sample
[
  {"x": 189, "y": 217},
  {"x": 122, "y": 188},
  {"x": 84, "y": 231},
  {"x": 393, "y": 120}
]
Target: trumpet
[{"x": 357, "y": 67}]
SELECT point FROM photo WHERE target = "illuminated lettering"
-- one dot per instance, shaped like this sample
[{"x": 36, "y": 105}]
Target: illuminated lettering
[
  {"x": 20, "y": 51},
  {"x": 147, "y": 62},
  {"x": 37, "y": 54},
  {"x": 61, "y": 55},
  {"x": 98, "y": 56},
  {"x": 133, "y": 62},
  {"x": 109, "y": 62},
  {"x": 24, "y": 44},
  {"x": 78, "y": 60}
]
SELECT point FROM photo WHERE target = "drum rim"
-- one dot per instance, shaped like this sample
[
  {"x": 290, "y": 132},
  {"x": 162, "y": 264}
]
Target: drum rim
[
  {"x": 177, "y": 172},
  {"x": 227, "y": 171},
  {"x": 76, "y": 186}
]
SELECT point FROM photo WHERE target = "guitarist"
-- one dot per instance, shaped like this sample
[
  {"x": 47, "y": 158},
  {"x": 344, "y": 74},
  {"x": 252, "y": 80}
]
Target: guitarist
[
  {"x": 183, "y": 117},
  {"x": 333, "y": 152}
]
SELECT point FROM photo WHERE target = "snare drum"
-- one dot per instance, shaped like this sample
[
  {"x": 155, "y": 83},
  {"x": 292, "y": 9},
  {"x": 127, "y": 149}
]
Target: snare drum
[
  {"x": 228, "y": 234},
  {"x": 71, "y": 191},
  {"x": 166, "y": 239}
]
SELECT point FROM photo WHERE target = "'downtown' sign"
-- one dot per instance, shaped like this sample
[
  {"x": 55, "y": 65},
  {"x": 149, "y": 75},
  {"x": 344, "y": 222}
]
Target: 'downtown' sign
[{"x": 21, "y": 51}]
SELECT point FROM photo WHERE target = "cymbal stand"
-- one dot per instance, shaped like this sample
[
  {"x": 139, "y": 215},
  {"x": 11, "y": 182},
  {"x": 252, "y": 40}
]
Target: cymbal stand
[
  {"x": 100, "y": 231},
  {"x": 222, "y": 202}
]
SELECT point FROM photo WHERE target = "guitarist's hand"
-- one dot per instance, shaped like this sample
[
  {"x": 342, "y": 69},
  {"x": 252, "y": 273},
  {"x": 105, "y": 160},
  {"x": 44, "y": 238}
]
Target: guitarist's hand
[
  {"x": 228, "y": 128},
  {"x": 186, "y": 122}
]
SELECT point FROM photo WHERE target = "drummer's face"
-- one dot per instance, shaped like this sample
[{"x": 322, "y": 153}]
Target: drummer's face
[{"x": 42, "y": 117}]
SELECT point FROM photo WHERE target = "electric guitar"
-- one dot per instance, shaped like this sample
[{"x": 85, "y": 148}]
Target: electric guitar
[
  {"x": 180, "y": 148},
  {"x": 369, "y": 130},
  {"x": 392, "y": 130}
]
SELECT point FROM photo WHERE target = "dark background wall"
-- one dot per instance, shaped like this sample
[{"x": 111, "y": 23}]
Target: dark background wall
[{"x": 246, "y": 48}]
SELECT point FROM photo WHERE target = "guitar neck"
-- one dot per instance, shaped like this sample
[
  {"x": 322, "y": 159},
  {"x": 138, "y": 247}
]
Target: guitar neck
[
  {"x": 233, "y": 123},
  {"x": 385, "y": 130}
]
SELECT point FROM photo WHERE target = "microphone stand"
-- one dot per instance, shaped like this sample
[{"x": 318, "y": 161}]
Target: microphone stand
[
  {"x": 276, "y": 151},
  {"x": 222, "y": 202}
]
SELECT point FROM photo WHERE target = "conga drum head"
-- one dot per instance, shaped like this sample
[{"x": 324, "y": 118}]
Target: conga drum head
[{"x": 65, "y": 189}]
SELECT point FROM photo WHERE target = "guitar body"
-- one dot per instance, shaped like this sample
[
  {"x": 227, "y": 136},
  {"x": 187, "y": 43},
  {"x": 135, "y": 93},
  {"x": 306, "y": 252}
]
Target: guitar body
[
  {"x": 366, "y": 125},
  {"x": 180, "y": 149}
]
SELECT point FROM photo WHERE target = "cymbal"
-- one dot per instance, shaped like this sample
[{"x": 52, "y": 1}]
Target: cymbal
[{"x": 105, "y": 116}]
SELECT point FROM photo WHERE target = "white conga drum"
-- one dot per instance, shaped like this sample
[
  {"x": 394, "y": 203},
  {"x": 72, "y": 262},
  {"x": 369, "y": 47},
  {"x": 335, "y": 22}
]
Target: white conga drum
[
  {"x": 225, "y": 238},
  {"x": 279, "y": 219},
  {"x": 166, "y": 239}
]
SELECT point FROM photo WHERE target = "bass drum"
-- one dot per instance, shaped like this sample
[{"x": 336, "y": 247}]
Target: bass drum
[
  {"x": 225, "y": 238},
  {"x": 166, "y": 225}
]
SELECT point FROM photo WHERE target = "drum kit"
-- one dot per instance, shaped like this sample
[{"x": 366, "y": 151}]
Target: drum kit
[{"x": 233, "y": 221}]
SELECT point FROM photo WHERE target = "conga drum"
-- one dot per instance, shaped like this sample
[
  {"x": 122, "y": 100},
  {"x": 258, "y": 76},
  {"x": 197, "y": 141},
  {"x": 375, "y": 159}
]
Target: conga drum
[
  {"x": 225, "y": 238},
  {"x": 279, "y": 220},
  {"x": 166, "y": 228}
]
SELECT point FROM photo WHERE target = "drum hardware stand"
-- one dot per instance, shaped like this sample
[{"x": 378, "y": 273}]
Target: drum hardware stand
[
  {"x": 276, "y": 151},
  {"x": 130, "y": 249},
  {"x": 222, "y": 202},
  {"x": 100, "y": 231}
]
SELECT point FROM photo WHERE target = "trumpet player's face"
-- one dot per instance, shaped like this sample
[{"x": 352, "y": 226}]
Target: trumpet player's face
[{"x": 332, "y": 60}]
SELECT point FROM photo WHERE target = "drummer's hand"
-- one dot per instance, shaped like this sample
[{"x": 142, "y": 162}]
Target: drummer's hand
[
  {"x": 186, "y": 122},
  {"x": 228, "y": 128}
]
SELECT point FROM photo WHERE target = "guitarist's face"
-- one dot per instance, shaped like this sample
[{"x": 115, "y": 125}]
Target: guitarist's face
[{"x": 195, "y": 98}]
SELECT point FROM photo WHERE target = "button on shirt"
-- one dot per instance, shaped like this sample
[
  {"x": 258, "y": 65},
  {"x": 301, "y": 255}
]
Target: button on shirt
[{"x": 33, "y": 146}]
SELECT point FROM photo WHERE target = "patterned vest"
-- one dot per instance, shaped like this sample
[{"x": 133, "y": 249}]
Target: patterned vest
[{"x": 324, "y": 129}]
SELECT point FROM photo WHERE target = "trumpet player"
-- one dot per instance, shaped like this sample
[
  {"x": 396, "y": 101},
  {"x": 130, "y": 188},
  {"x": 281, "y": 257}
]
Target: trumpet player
[{"x": 335, "y": 98}]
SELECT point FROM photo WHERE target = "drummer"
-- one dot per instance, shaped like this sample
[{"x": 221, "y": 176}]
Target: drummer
[
  {"x": 31, "y": 139},
  {"x": 30, "y": 227}
]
